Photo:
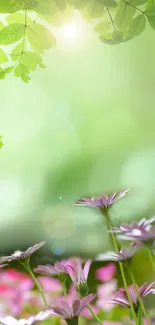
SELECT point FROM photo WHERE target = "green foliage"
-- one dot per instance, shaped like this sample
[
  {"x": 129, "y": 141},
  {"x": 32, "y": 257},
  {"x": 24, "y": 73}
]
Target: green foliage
[
  {"x": 138, "y": 25},
  {"x": 140, "y": 314},
  {"x": 108, "y": 3},
  {"x": 8, "y": 6},
  {"x": 18, "y": 18},
  {"x": 1, "y": 143},
  {"x": 31, "y": 60},
  {"x": 93, "y": 10},
  {"x": 117, "y": 36},
  {"x": 124, "y": 16},
  {"x": 40, "y": 38},
  {"x": 150, "y": 12},
  {"x": 11, "y": 33},
  {"x": 115, "y": 21},
  {"x": 2, "y": 73},
  {"x": 3, "y": 56}
]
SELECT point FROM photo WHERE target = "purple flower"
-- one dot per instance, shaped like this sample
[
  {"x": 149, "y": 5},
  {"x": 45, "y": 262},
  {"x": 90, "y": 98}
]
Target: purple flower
[
  {"x": 71, "y": 310},
  {"x": 138, "y": 228},
  {"x": 120, "y": 297},
  {"x": 101, "y": 202},
  {"x": 123, "y": 255},
  {"x": 58, "y": 269},
  {"x": 9, "y": 320},
  {"x": 18, "y": 255},
  {"x": 146, "y": 238},
  {"x": 78, "y": 274}
]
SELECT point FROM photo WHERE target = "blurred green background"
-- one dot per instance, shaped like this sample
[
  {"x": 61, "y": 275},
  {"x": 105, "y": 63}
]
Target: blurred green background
[{"x": 83, "y": 126}]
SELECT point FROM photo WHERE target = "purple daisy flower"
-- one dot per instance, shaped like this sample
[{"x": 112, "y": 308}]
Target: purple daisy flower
[
  {"x": 70, "y": 310},
  {"x": 9, "y": 320},
  {"x": 147, "y": 237},
  {"x": 102, "y": 202},
  {"x": 120, "y": 297},
  {"x": 79, "y": 274},
  {"x": 18, "y": 255},
  {"x": 139, "y": 228},
  {"x": 123, "y": 255},
  {"x": 58, "y": 269}
]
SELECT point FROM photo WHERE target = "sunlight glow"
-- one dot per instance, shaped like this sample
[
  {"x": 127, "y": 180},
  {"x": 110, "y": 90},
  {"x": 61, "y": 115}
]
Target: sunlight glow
[
  {"x": 73, "y": 34},
  {"x": 70, "y": 30}
]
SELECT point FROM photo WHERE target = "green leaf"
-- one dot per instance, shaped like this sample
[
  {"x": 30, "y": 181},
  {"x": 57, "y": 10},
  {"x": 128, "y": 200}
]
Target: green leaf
[
  {"x": 108, "y": 3},
  {"x": 9, "y": 69},
  {"x": 25, "y": 78},
  {"x": 11, "y": 33},
  {"x": 3, "y": 56},
  {"x": 18, "y": 18},
  {"x": 2, "y": 73},
  {"x": 137, "y": 2},
  {"x": 78, "y": 4},
  {"x": 131, "y": 314},
  {"x": 1, "y": 143},
  {"x": 109, "y": 40},
  {"x": 117, "y": 36},
  {"x": 1, "y": 25},
  {"x": 20, "y": 70},
  {"x": 150, "y": 12},
  {"x": 140, "y": 315},
  {"x": 31, "y": 59},
  {"x": 7, "y": 6},
  {"x": 124, "y": 15},
  {"x": 102, "y": 27},
  {"x": 40, "y": 38},
  {"x": 137, "y": 26},
  {"x": 41, "y": 65},
  {"x": 16, "y": 52},
  {"x": 93, "y": 10},
  {"x": 61, "y": 17}
]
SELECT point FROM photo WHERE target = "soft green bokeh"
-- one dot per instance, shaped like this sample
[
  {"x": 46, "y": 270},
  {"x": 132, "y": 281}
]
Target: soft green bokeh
[{"x": 83, "y": 126}]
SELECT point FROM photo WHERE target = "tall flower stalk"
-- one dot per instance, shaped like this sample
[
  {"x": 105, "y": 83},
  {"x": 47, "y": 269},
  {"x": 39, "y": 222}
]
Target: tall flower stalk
[
  {"x": 104, "y": 203},
  {"x": 139, "y": 297},
  {"x": 114, "y": 240},
  {"x": 28, "y": 269}
]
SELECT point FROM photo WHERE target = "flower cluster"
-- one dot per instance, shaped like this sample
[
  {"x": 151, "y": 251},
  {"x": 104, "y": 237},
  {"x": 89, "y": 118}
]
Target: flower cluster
[{"x": 70, "y": 302}]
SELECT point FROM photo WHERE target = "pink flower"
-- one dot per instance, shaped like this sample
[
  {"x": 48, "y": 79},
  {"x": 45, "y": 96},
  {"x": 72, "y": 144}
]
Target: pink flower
[
  {"x": 78, "y": 274},
  {"x": 104, "y": 293},
  {"x": 106, "y": 273},
  {"x": 102, "y": 202},
  {"x": 120, "y": 297},
  {"x": 49, "y": 284},
  {"x": 87, "y": 314},
  {"x": 123, "y": 255},
  {"x": 19, "y": 255},
  {"x": 58, "y": 269},
  {"x": 71, "y": 310}
]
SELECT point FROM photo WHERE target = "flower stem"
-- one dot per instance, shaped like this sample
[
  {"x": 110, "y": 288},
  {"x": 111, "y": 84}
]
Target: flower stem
[
  {"x": 139, "y": 297},
  {"x": 151, "y": 260},
  {"x": 114, "y": 240},
  {"x": 95, "y": 316},
  {"x": 28, "y": 268}
]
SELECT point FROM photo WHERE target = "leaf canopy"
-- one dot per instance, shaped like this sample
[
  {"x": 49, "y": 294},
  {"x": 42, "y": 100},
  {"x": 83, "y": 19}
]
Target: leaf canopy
[{"x": 29, "y": 27}]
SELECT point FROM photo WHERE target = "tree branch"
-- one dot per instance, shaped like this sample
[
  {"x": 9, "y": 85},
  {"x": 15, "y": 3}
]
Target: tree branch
[{"x": 110, "y": 17}]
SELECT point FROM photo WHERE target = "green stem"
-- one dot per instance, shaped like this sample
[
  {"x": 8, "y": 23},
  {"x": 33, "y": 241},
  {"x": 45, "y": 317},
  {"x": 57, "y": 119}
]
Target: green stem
[
  {"x": 139, "y": 297},
  {"x": 64, "y": 288},
  {"x": 114, "y": 240},
  {"x": 151, "y": 260},
  {"x": 27, "y": 267},
  {"x": 95, "y": 316}
]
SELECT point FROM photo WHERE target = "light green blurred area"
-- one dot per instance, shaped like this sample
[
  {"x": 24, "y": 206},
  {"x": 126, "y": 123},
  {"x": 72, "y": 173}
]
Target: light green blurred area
[{"x": 83, "y": 126}]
